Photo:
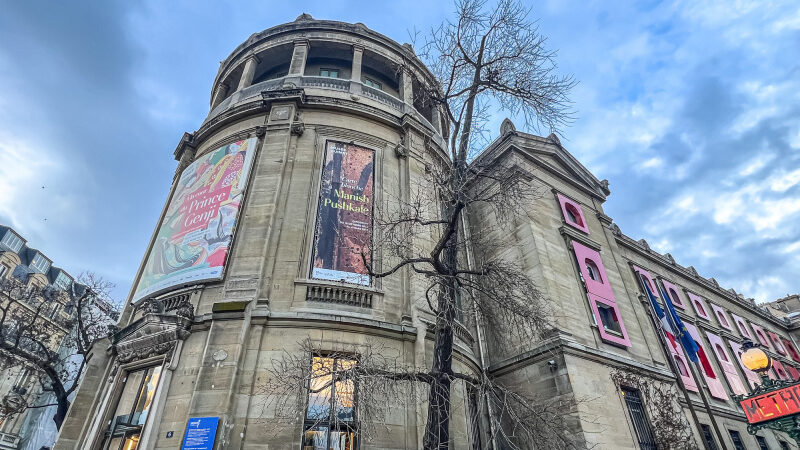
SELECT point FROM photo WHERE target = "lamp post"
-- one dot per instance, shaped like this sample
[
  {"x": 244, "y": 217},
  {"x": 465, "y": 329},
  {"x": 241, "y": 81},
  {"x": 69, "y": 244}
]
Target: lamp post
[{"x": 773, "y": 404}]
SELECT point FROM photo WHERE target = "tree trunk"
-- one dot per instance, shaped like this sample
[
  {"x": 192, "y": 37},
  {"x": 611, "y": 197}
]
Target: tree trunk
[
  {"x": 61, "y": 411},
  {"x": 437, "y": 428}
]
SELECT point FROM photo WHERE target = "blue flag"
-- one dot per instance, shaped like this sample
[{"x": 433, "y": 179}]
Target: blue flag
[{"x": 686, "y": 339}]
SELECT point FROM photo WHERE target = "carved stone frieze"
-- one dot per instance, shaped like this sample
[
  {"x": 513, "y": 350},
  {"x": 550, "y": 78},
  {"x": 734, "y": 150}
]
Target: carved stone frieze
[{"x": 154, "y": 334}]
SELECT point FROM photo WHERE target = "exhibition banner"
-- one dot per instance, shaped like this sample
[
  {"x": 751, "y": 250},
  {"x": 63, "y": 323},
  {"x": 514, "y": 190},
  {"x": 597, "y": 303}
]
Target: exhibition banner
[
  {"x": 193, "y": 240},
  {"x": 343, "y": 238}
]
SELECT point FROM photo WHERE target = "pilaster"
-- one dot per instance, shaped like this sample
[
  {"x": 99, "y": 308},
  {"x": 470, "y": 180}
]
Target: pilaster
[{"x": 248, "y": 72}]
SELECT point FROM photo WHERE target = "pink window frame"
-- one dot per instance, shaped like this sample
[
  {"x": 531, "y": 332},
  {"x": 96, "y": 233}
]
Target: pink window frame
[
  {"x": 726, "y": 363},
  {"x": 752, "y": 377},
  {"x": 649, "y": 278},
  {"x": 600, "y": 292},
  {"x": 699, "y": 305},
  {"x": 714, "y": 384},
  {"x": 719, "y": 312},
  {"x": 789, "y": 346},
  {"x": 776, "y": 343},
  {"x": 676, "y": 299},
  {"x": 741, "y": 327},
  {"x": 792, "y": 372},
  {"x": 762, "y": 336},
  {"x": 619, "y": 339},
  {"x": 564, "y": 201},
  {"x": 780, "y": 370}
]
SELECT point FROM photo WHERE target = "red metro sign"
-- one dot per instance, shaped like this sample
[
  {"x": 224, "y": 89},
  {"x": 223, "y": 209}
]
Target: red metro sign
[{"x": 772, "y": 405}]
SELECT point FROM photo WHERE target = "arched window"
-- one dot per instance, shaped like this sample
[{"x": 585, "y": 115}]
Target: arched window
[
  {"x": 700, "y": 309},
  {"x": 674, "y": 296},
  {"x": 573, "y": 214},
  {"x": 594, "y": 272},
  {"x": 722, "y": 319}
]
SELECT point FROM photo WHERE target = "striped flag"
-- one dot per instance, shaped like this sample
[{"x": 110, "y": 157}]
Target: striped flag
[{"x": 662, "y": 317}]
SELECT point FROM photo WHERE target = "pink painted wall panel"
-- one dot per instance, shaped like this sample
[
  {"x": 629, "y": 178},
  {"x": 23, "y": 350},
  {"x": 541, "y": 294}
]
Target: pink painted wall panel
[
  {"x": 683, "y": 367},
  {"x": 674, "y": 294},
  {"x": 722, "y": 317},
  {"x": 580, "y": 222},
  {"x": 761, "y": 335},
  {"x": 712, "y": 380},
  {"x": 752, "y": 377},
  {"x": 783, "y": 374},
  {"x": 599, "y": 287},
  {"x": 792, "y": 372},
  {"x": 725, "y": 361},
  {"x": 776, "y": 343},
  {"x": 649, "y": 279},
  {"x": 699, "y": 305},
  {"x": 741, "y": 325},
  {"x": 789, "y": 346}
]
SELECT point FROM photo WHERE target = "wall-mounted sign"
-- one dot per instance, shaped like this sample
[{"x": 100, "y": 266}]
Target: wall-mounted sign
[
  {"x": 772, "y": 405},
  {"x": 193, "y": 240},
  {"x": 201, "y": 432},
  {"x": 343, "y": 239}
]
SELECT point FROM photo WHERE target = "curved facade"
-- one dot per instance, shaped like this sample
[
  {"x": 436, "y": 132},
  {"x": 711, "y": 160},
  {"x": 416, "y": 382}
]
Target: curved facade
[
  {"x": 262, "y": 245},
  {"x": 289, "y": 102}
]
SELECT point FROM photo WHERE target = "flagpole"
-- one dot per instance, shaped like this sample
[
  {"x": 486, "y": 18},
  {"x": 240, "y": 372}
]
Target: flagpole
[
  {"x": 700, "y": 381},
  {"x": 662, "y": 339}
]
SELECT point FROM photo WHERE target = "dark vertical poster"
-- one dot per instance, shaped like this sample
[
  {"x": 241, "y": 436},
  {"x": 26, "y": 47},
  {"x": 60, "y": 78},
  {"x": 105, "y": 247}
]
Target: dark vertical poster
[{"x": 343, "y": 239}]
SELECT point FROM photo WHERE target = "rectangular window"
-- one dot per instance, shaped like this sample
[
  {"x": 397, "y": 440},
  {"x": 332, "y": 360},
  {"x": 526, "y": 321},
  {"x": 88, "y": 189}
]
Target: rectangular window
[
  {"x": 641, "y": 425},
  {"x": 133, "y": 406},
  {"x": 474, "y": 418},
  {"x": 330, "y": 416},
  {"x": 63, "y": 281},
  {"x": 372, "y": 83},
  {"x": 762, "y": 443},
  {"x": 12, "y": 241},
  {"x": 609, "y": 319},
  {"x": 737, "y": 440},
  {"x": 3, "y": 270},
  {"x": 708, "y": 437},
  {"x": 40, "y": 263},
  {"x": 330, "y": 73}
]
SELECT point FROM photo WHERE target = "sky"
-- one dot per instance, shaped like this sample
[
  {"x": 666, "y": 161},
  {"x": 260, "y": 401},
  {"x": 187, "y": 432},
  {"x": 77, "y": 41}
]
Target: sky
[{"x": 690, "y": 109}]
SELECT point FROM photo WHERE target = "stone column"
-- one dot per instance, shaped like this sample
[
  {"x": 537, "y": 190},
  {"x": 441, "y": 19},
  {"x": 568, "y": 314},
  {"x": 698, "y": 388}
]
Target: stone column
[
  {"x": 297, "y": 67},
  {"x": 355, "y": 73},
  {"x": 222, "y": 91},
  {"x": 249, "y": 72},
  {"x": 436, "y": 118},
  {"x": 406, "y": 88}
]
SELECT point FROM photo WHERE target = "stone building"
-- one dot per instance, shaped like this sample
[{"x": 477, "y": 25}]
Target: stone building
[
  {"x": 19, "y": 385},
  {"x": 311, "y": 114}
]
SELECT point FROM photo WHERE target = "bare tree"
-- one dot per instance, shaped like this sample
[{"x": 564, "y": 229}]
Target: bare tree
[
  {"x": 48, "y": 333},
  {"x": 490, "y": 57}
]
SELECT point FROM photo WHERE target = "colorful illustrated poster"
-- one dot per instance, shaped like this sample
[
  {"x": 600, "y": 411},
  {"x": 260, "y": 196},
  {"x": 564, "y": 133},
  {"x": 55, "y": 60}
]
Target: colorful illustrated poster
[
  {"x": 343, "y": 239},
  {"x": 193, "y": 240}
]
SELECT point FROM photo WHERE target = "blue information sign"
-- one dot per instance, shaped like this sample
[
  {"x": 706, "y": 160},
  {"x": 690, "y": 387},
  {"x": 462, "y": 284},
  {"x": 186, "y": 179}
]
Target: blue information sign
[{"x": 201, "y": 432}]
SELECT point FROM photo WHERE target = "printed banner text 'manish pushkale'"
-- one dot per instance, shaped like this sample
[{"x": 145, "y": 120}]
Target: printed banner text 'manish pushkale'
[
  {"x": 193, "y": 239},
  {"x": 343, "y": 239}
]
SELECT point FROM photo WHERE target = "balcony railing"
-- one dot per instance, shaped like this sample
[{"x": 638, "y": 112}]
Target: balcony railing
[
  {"x": 380, "y": 96},
  {"x": 326, "y": 83},
  {"x": 340, "y": 295}
]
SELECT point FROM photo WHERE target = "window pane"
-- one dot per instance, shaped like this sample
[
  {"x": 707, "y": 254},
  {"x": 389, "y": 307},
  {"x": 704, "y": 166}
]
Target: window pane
[
  {"x": 146, "y": 396},
  {"x": 315, "y": 439},
  {"x": 342, "y": 440},
  {"x": 319, "y": 395},
  {"x": 131, "y": 442},
  {"x": 345, "y": 392},
  {"x": 128, "y": 397}
]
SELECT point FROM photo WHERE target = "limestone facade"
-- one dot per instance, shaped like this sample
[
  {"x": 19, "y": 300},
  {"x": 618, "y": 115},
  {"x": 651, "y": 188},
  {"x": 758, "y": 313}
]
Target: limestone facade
[{"x": 206, "y": 347}]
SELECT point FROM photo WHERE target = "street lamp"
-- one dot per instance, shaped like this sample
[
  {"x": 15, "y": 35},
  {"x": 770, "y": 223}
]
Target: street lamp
[{"x": 756, "y": 359}]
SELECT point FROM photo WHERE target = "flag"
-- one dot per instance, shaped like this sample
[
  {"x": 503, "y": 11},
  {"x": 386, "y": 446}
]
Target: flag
[
  {"x": 686, "y": 339},
  {"x": 662, "y": 317}
]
